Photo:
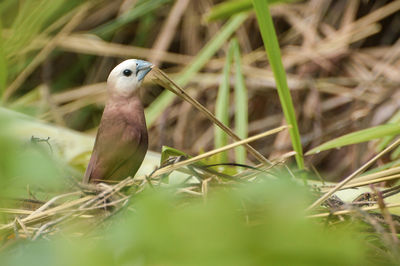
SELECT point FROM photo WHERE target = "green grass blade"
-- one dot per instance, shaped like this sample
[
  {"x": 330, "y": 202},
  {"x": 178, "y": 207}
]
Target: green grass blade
[
  {"x": 166, "y": 98},
  {"x": 241, "y": 106},
  {"x": 227, "y": 9},
  {"x": 3, "y": 64},
  {"x": 140, "y": 9},
  {"x": 222, "y": 106},
  {"x": 274, "y": 56},
  {"x": 385, "y": 141},
  {"x": 359, "y": 136},
  {"x": 30, "y": 20},
  {"x": 395, "y": 119},
  {"x": 395, "y": 154},
  {"x": 143, "y": 36}
]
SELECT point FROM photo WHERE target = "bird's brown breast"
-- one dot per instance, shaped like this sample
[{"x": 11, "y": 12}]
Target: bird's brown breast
[{"x": 121, "y": 141}]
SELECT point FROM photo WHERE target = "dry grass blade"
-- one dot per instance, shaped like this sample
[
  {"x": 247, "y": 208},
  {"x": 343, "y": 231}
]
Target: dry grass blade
[
  {"x": 85, "y": 204},
  {"x": 372, "y": 181},
  {"x": 364, "y": 178},
  {"x": 79, "y": 93},
  {"x": 48, "y": 203},
  {"x": 167, "y": 32},
  {"x": 375, "y": 16},
  {"x": 342, "y": 212},
  {"x": 353, "y": 175},
  {"x": 22, "y": 225},
  {"x": 15, "y": 211},
  {"x": 45, "y": 214},
  {"x": 163, "y": 80},
  {"x": 87, "y": 44}
]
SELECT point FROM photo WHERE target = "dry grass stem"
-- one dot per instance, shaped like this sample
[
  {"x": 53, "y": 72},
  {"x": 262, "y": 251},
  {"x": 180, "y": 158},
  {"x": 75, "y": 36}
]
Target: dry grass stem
[
  {"x": 353, "y": 175},
  {"x": 344, "y": 212},
  {"x": 163, "y": 80}
]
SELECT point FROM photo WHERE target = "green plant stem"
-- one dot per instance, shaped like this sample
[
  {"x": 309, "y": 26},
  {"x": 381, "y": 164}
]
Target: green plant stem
[
  {"x": 222, "y": 106},
  {"x": 241, "y": 105},
  {"x": 274, "y": 56}
]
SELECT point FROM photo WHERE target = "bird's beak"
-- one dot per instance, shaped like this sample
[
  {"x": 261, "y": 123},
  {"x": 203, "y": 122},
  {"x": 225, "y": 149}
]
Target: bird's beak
[{"x": 143, "y": 67}]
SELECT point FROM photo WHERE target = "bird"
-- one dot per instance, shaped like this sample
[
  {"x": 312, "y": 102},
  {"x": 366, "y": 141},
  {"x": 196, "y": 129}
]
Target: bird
[{"x": 122, "y": 140}]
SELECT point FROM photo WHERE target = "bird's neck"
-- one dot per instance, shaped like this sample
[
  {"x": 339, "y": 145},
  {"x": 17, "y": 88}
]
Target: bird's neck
[
  {"x": 127, "y": 102},
  {"x": 121, "y": 97},
  {"x": 128, "y": 107}
]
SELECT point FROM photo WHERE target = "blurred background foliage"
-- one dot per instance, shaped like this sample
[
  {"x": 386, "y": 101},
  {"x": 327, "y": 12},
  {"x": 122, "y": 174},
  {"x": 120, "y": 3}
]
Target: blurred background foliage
[{"x": 342, "y": 61}]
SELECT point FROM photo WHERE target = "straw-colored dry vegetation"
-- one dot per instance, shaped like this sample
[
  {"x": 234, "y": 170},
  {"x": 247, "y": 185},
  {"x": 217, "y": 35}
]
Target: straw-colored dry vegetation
[{"x": 259, "y": 154}]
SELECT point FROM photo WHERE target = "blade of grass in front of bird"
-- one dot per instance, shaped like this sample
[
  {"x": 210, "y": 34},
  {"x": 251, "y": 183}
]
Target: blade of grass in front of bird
[
  {"x": 3, "y": 64},
  {"x": 166, "y": 98},
  {"x": 5, "y": 6},
  {"x": 274, "y": 56},
  {"x": 222, "y": 106},
  {"x": 241, "y": 105},
  {"x": 358, "y": 137}
]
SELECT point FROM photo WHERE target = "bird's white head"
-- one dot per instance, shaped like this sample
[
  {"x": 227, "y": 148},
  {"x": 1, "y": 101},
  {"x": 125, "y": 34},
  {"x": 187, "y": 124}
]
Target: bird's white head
[{"x": 126, "y": 77}]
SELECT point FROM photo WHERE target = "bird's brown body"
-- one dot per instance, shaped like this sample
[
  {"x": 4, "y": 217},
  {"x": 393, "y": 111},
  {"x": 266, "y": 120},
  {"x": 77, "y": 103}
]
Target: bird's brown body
[{"x": 121, "y": 141}]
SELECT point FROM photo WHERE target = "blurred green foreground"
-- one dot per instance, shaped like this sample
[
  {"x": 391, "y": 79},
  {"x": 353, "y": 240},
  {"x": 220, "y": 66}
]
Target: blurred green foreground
[{"x": 256, "y": 224}]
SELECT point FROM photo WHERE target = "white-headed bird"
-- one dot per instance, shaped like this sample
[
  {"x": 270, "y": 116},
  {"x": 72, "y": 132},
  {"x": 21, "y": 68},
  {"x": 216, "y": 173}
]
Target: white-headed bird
[{"x": 121, "y": 141}]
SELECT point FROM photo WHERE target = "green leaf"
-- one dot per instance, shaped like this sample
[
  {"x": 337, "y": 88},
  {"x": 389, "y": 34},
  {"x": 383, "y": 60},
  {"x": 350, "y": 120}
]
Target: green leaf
[
  {"x": 274, "y": 56},
  {"x": 168, "y": 152},
  {"x": 241, "y": 106},
  {"x": 169, "y": 156},
  {"x": 222, "y": 106},
  {"x": 166, "y": 98},
  {"x": 358, "y": 137}
]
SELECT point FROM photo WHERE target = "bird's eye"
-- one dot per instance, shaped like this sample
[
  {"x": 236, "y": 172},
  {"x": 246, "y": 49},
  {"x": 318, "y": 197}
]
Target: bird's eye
[{"x": 127, "y": 72}]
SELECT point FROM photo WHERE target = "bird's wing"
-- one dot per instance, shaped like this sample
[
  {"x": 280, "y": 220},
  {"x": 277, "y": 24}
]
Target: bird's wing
[{"x": 117, "y": 153}]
